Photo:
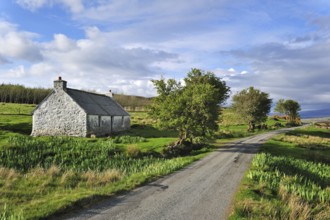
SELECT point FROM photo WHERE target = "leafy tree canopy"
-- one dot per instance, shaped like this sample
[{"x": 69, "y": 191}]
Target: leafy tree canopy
[
  {"x": 252, "y": 105},
  {"x": 193, "y": 108},
  {"x": 288, "y": 107}
]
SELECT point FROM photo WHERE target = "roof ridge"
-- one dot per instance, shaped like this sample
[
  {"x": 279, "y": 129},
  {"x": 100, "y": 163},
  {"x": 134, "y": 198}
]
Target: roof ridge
[{"x": 93, "y": 93}]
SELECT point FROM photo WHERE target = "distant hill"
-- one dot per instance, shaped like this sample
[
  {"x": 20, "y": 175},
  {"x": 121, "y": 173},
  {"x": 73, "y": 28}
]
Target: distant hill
[{"x": 315, "y": 113}]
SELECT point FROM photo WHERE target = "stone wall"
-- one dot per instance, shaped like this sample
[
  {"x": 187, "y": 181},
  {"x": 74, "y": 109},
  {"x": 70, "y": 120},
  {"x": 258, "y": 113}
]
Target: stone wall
[
  {"x": 98, "y": 125},
  {"x": 59, "y": 115},
  {"x": 127, "y": 122},
  {"x": 120, "y": 123},
  {"x": 117, "y": 123},
  {"x": 105, "y": 125}
]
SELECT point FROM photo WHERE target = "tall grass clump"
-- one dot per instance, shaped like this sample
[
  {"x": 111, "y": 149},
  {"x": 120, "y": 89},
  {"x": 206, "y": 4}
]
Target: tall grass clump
[
  {"x": 129, "y": 139},
  {"x": 133, "y": 151},
  {"x": 6, "y": 214}
]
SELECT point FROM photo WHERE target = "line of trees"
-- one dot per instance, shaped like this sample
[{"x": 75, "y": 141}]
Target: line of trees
[
  {"x": 253, "y": 106},
  {"x": 132, "y": 103},
  {"x": 192, "y": 108},
  {"x": 14, "y": 93},
  {"x": 20, "y": 94}
]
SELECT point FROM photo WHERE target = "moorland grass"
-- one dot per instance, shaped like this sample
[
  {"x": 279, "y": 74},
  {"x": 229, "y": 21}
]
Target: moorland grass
[
  {"x": 43, "y": 176},
  {"x": 288, "y": 179}
]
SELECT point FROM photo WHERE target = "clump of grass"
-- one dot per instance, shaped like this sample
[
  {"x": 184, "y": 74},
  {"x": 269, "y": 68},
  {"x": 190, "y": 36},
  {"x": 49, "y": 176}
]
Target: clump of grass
[
  {"x": 129, "y": 139},
  {"x": 90, "y": 177},
  {"x": 70, "y": 179},
  {"x": 4, "y": 172},
  {"x": 93, "y": 178},
  {"x": 8, "y": 177},
  {"x": 133, "y": 151},
  {"x": 53, "y": 171},
  {"x": 6, "y": 214},
  {"x": 109, "y": 176},
  {"x": 11, "y": 174},
  {"x": 36, "y": 172}
]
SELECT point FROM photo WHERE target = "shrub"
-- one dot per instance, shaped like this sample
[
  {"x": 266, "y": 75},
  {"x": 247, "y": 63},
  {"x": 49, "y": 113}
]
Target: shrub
[{"x": 178, "y": 149}]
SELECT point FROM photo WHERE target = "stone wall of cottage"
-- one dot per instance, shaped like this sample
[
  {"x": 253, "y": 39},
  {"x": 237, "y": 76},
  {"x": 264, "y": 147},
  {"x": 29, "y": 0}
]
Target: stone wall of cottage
[
  {"x": 59, "y": 115},
  {"x": 127, "y": 122},
  {"x": 120, "y": 123},
  {"x": 105, "y": 125},
  {"x": 98, "y": 125}
]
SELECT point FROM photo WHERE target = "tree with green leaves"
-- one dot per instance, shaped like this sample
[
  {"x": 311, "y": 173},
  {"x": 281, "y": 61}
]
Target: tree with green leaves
[
  {"x": 252, "y": 106},
  {"x": 193, "y": 108},
  {"x": 280, "y": 107},
  {"x": 290, "y": 108}
]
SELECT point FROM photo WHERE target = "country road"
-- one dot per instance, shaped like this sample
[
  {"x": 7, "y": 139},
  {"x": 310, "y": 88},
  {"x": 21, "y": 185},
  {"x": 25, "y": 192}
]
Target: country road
[{"x": 203, "y": 190}]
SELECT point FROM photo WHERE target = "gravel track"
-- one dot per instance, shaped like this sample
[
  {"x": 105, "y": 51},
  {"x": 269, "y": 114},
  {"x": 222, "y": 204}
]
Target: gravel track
[{"x": 203, "y": 190}]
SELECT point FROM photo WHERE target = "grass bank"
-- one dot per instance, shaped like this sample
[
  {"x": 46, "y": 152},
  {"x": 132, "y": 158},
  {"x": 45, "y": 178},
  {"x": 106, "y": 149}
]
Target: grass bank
[{"x": 288, "y": 179}]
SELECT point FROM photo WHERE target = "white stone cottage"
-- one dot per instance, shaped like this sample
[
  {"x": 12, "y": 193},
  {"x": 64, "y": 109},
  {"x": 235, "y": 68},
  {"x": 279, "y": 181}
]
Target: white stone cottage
[{"x": 72, "y": 112}]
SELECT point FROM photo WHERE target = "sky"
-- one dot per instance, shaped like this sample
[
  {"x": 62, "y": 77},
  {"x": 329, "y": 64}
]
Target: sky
[{"x": 280, "y": 47}]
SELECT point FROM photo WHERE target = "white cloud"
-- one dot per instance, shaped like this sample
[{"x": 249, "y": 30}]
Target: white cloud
[
  {"x": 43, "y": 69},
  {"x": 97, "y": 55},
  {"x": 61, "y": 43},
  {"x": 93, "y": 62},
  {"x": 131, "y": 10},
  {"x": 300, "y": 73},
  {"x": 17, "y": 45},
  {"x": 17, "y": 72},
  {"x": 32, "y": 4},
  {"x": 75, "y": 6}
]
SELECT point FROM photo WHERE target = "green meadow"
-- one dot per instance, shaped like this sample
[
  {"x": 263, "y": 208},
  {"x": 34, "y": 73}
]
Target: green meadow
[
  {"x": 288, "y": 179},
  {"x": 44, "y": 176}
]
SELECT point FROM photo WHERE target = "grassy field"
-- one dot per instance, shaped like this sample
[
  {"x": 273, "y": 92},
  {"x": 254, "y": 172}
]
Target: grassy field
[
  {"x": 288, "y": 179},
  {"x": 43, "y": 176}
]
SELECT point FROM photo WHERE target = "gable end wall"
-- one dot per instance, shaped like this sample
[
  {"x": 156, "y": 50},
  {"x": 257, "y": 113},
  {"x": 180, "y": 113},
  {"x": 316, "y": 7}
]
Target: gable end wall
[{"x": 59, "y": 115}]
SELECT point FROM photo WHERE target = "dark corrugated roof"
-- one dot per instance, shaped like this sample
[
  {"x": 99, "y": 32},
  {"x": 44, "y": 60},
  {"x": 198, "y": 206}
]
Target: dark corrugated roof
[{"x": 96, "y": 104}]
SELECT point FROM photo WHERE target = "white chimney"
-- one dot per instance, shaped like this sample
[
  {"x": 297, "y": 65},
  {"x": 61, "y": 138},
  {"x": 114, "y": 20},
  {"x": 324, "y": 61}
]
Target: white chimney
[{"x": 110, "y": 94}]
